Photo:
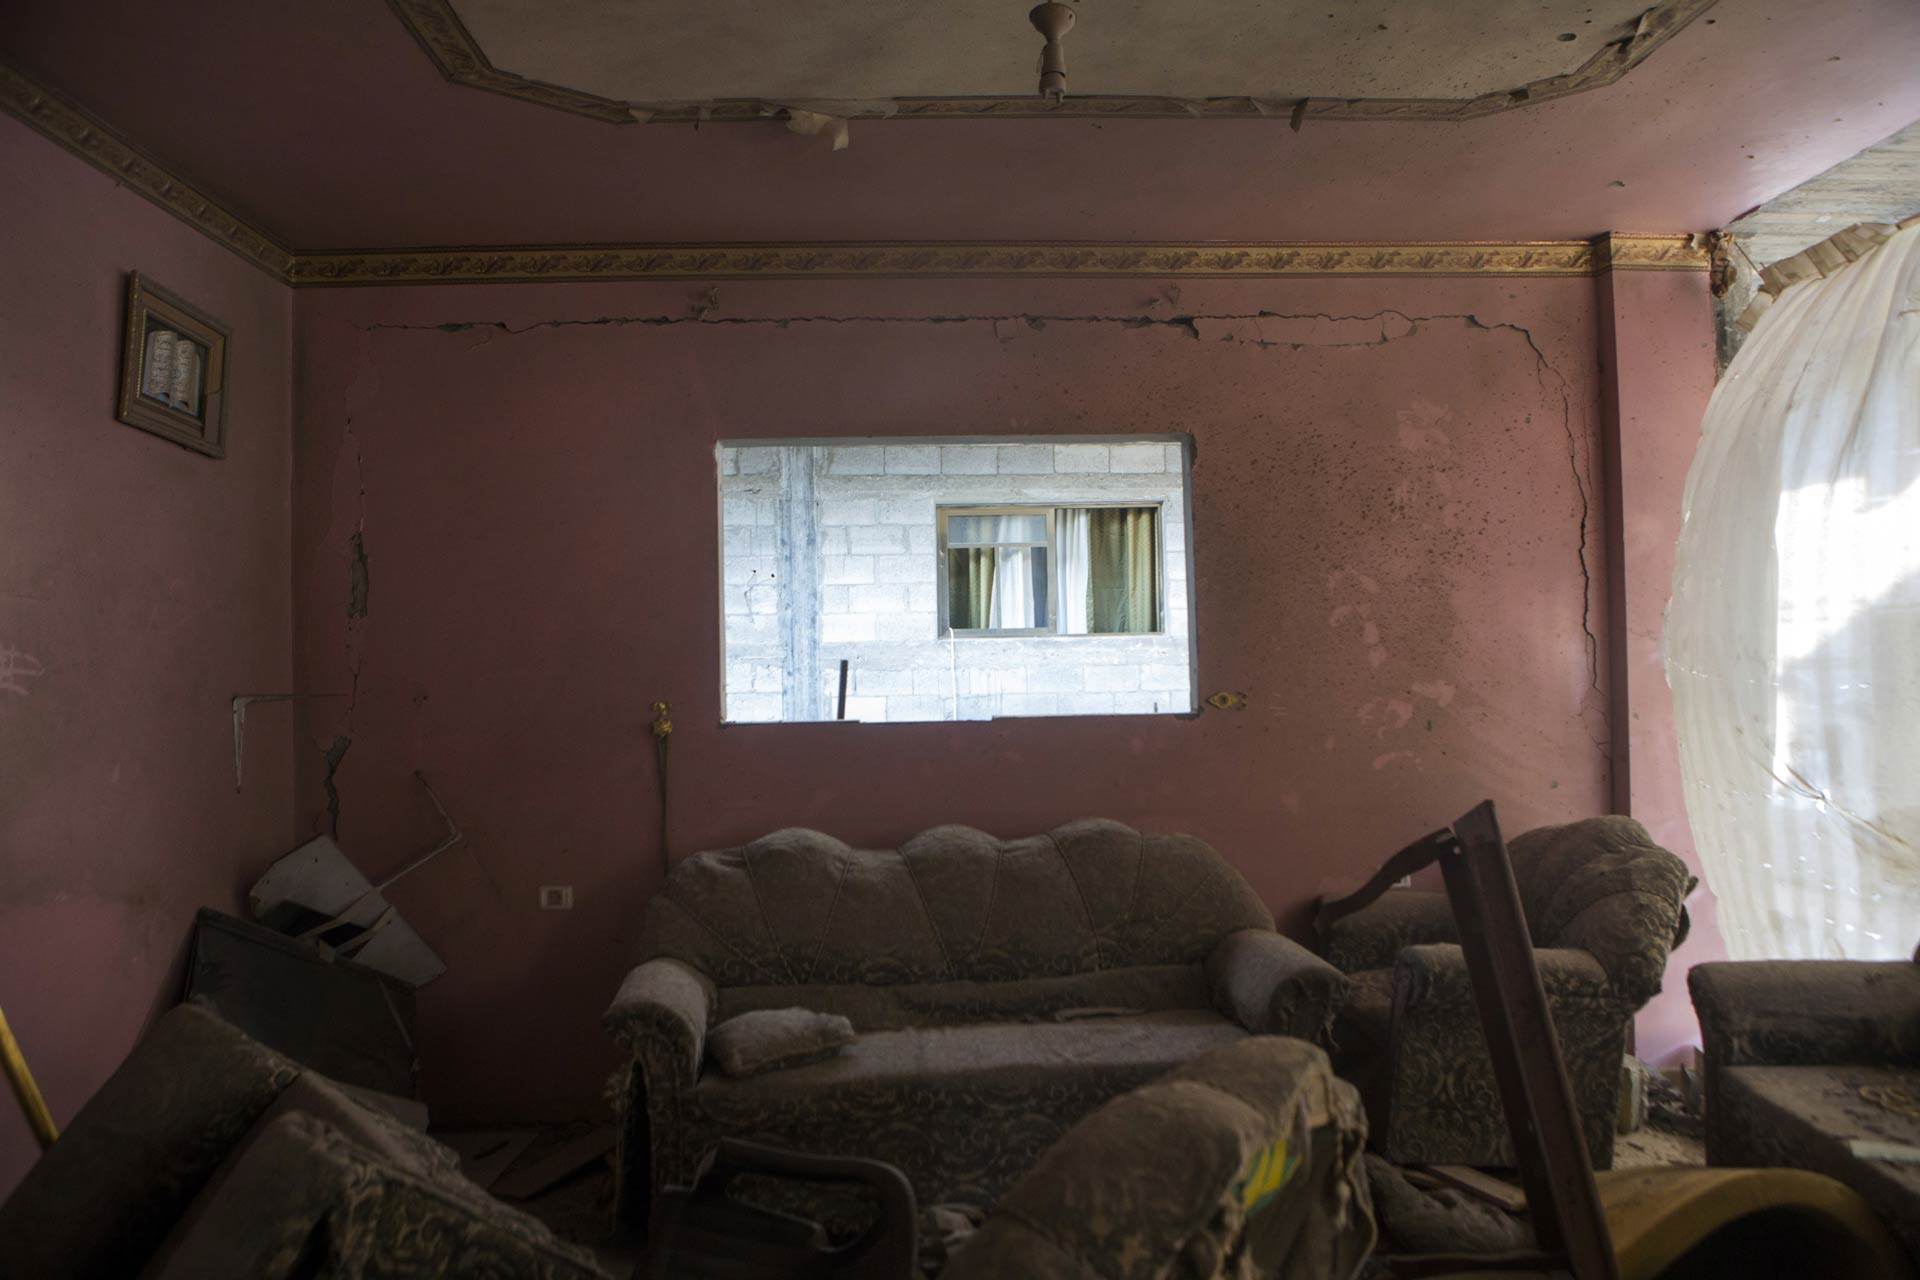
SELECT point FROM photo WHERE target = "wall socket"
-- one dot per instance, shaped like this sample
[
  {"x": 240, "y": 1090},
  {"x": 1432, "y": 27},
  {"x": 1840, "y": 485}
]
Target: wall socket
[{"x": 556, "y": 897}]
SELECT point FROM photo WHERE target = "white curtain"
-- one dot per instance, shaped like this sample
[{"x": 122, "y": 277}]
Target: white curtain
[
  {"x": 1072, "y": 528},
  {"x": 1793, "y": 636},
  {"x": 1012, "y": 606}
]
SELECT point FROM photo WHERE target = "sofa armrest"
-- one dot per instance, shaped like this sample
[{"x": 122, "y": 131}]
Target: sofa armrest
[
  {"x": 1271, "y": 985},
  {"x": 1435, "y": 978},
  {"x": 1372, "y": 937},
  {"x": 661, "y": 1012},
  {"x": 1808, "y": 1012}
]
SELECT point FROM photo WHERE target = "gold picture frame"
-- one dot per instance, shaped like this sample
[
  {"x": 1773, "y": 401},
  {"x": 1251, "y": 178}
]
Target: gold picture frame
[{"x": 173, "y": 369}]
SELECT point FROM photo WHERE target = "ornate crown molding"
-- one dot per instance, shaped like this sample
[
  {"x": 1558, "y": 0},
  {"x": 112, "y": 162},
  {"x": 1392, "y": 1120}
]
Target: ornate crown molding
[
  {"x": 1630, "y": 251},
  {"x": 93, "y": 141},
  {"x": 775, "y": 261},
  {"x": 453, "y": 49},
  {"x": 97, "y": 144},
  {"x": 823, "y": 261}
]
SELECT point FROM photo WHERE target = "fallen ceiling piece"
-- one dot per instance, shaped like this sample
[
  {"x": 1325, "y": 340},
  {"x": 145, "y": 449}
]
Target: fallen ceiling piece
[{"x": 319, "y": 878}]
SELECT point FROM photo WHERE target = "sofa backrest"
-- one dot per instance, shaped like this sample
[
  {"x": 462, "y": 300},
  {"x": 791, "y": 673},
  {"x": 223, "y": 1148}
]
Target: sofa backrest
[
  {"x": 1603, "y": 886},
  {"x": 950, "y": 905}
]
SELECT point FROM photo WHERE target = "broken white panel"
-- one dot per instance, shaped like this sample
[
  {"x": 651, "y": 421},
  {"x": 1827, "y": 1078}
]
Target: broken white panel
[{"x": 319, "y": 877}]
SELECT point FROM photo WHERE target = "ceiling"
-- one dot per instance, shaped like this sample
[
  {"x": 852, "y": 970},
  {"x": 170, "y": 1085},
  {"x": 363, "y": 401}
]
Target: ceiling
[
  {"x": 1881, "y": 184},
  {"x": 1280, "y": 51},
  {"x": 330, "y": 126}
]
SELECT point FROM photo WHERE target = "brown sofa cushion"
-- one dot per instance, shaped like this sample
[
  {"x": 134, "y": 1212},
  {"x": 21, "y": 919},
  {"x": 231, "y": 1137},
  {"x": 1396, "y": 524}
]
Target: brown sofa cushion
[
  {"x": 104, "y": 1196},
  {"x": 951, "y": 904},
  {"x": 966, "y": 1108},
  {"x": 769, "y": 1039},
  {"x": 206, "y": 1242},
  {"x": 302, "y": 1198},
  {"x": 1244, "y": 1162},
  {"x": 1146, "y": 989}
]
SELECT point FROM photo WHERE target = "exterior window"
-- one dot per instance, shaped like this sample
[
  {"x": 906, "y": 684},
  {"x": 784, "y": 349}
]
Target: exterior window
[
  {"x": 998, "y": 562},
  {"x": 1072, "y": 571},
  {"x": 955, "y": 578}
]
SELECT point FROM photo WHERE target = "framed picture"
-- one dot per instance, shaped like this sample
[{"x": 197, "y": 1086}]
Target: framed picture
[{"x": 173, "y": 369}]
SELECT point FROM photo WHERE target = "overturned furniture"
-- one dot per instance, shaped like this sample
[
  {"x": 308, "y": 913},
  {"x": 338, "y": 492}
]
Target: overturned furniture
[
  {"x": 997, "y": 991},
  {"x": 1245, "y": 1162},
  {"x": 1603, "y": 904},
  {"x": 1643, "y": 1224},
  {"x": 208, "y": 1154},
  {"x": 1815, "y": 1064}
]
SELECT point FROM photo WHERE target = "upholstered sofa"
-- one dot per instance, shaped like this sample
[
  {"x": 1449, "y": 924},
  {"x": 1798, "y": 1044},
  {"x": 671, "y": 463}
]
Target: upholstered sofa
[
  {"x": 1603, "y": 904},
  {"x": 1246, "y": 1162},
  {"x": 1812, "y": 1064},
  {"x": 207, "y": 1154},
  {"x": 1000, "y": 989}
]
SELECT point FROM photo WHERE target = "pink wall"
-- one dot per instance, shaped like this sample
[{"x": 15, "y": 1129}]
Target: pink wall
[
  {"x": 1389, "y": 526},
  {"x": 141, "y": 587}
]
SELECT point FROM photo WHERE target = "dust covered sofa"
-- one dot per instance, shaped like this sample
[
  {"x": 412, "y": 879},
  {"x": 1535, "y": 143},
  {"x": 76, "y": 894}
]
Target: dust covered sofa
[
  {"x": 999, "y": 990},
  {"x": 208, "y": 1154},
  {"x": 1603, "y": 904}
]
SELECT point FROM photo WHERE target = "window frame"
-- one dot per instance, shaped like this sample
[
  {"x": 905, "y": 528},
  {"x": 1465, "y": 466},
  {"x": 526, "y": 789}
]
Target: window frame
[{"x": 941, "y": 512}]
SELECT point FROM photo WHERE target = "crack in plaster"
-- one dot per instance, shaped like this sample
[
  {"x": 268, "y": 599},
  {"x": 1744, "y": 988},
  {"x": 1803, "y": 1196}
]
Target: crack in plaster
[
  {"x": 1189, "y": 323},
  {"x": 358, "y": 584}
]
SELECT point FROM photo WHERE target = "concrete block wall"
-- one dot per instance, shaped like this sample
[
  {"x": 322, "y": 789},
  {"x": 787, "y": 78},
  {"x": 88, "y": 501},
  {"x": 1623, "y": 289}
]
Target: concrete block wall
[{"x": 873, "y": 581}]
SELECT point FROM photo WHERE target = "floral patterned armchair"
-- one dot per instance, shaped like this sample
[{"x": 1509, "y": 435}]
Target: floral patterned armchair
[{"x": 1603, "y": 904}]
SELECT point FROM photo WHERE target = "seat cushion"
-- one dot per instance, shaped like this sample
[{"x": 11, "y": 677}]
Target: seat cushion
[
  {"x": 104, "y": 1196},
  {"x": 968, "y": 1108},
  {"x": 302, "y": 1198},
  {"x": 1808, "y": 1118}
]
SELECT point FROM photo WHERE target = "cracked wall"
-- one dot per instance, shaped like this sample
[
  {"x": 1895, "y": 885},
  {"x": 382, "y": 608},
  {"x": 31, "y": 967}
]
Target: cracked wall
[{"x": 1395, "y": 498}]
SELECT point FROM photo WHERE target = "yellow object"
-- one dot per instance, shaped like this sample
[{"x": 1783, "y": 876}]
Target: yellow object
[
  {"x": 24, "y": 1088},
  {"x": 662, "y": 722},
  {"x": 1656, "y": 1216},
  {"x": 1742, "y": 1222}
]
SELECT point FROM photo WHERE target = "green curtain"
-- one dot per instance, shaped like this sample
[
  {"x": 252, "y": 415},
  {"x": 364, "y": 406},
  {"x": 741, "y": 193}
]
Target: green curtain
[
  {"x": 969, "y": 587},
  {"x": 1123, "y": 578}
]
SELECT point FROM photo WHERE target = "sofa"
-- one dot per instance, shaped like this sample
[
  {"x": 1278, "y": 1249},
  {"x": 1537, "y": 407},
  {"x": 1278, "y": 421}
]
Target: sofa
[
  {"x": 998, "y": 990},
  {"x": 208, "y": 1154},
  {"x": 1603, "y": 904},
  {"x": 1811, "y": 1064},
  {"x": 1247, "y": 1162}
]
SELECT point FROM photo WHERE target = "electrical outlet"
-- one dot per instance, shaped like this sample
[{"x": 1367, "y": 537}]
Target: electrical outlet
[{"x": 556, "y": 897}]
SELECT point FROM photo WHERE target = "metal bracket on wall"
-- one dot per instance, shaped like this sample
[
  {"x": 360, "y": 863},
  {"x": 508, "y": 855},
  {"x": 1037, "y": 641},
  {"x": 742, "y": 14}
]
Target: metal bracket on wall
[
  {"x": 240, "y": 704},
  {"x": 1228, "y": 701}
]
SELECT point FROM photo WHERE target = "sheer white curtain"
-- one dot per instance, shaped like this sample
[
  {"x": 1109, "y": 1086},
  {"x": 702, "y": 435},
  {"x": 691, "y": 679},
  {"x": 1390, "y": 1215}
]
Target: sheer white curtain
[
  {"x": 1072, "y": 550},
  {"x": 1793, "y": 636},
  {"x": 1012, "y": 606}
]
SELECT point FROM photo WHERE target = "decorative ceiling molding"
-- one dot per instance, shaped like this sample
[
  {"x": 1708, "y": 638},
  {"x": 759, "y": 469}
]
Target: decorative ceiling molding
[
  {"x": 1628, "y": 251},
  {"x": 827, "y": 261},
  {"x": 453, "y": 49},
  {"x": 94, "y": 142}
]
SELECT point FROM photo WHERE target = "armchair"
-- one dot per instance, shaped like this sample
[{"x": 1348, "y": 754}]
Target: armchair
[
  {"x": 1603, "y": 906},
  {"x": 1813, "y": 1064}
]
